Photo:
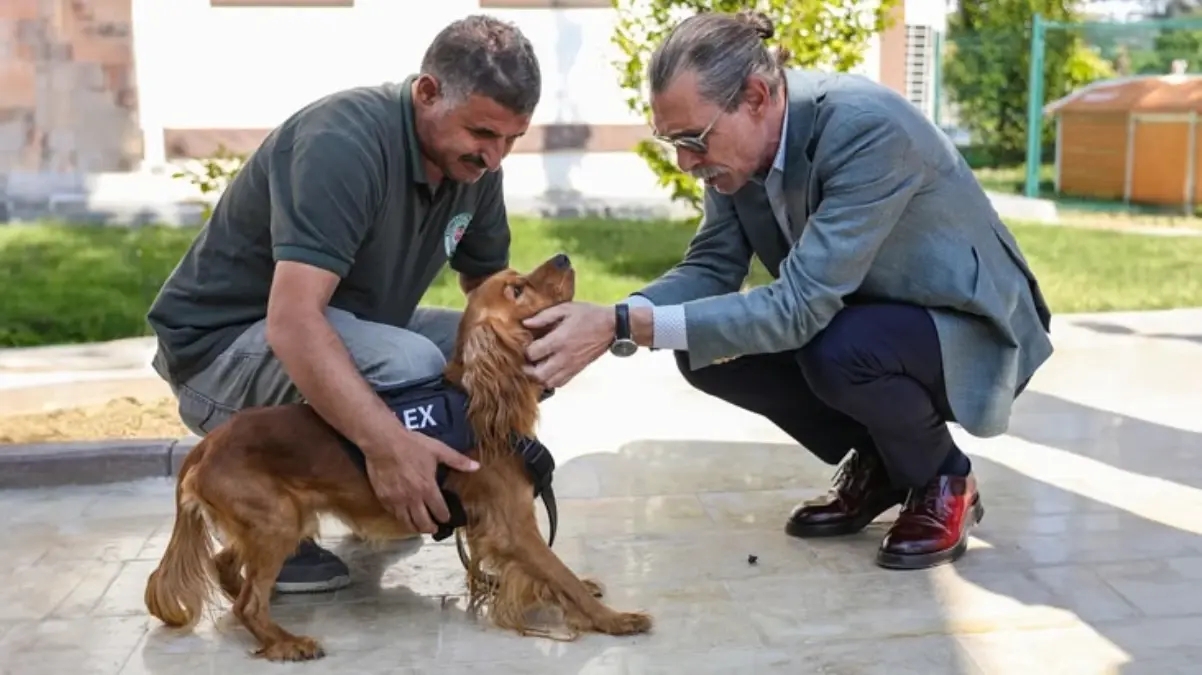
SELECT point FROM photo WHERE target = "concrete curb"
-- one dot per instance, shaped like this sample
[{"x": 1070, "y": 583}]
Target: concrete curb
[{"x": 38, "y": 465}]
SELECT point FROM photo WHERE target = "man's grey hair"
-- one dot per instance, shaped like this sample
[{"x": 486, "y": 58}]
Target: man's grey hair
[
  {"x": 723, "y": 50},
  {"x": 485, "y": 56}
]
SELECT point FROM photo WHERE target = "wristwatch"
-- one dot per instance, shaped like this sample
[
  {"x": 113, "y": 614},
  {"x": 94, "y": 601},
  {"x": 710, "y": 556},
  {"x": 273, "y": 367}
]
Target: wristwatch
[{"x": 622, "y": 345}]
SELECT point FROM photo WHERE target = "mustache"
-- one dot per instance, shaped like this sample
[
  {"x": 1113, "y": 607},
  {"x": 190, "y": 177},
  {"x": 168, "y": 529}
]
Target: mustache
[
  {"x": 474, "y": 159},
  {"x": 706, "y": 172}
]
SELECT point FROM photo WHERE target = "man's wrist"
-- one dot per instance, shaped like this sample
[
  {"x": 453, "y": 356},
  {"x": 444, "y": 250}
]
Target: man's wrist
[
  {"x": 642, "y": 326},
  {"x": 385, "y": 430}
]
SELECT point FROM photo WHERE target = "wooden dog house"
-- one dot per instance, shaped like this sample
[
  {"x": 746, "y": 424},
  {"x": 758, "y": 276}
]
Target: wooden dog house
[{"x": 1133, "y": 139}]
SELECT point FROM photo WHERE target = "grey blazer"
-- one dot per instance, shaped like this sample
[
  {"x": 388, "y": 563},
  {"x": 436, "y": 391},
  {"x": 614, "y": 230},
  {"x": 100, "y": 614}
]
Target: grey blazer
[{"x": 880, "y": 205}]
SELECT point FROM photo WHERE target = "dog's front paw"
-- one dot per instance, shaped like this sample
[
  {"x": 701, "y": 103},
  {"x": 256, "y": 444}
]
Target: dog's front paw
[
  {"x": 295, "y": 649},
  {"x": 627, "y": 623}
]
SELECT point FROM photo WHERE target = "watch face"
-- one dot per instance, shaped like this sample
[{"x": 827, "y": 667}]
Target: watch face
[{"x": 623, "y": 347}]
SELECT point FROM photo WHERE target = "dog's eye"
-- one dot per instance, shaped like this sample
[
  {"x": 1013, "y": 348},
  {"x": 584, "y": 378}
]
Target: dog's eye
[{"x": 517, "y": 291}]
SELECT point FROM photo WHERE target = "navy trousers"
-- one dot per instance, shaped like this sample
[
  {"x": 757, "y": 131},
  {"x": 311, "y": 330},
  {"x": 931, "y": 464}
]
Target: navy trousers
[{"x": 872, "y": 381}]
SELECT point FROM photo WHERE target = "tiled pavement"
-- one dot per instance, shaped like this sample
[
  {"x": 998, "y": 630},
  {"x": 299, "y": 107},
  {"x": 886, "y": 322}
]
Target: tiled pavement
[{"x": 1089, "y": 559}]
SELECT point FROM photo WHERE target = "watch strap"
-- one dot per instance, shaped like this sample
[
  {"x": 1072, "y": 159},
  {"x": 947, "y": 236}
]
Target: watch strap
[{"x": 622, "y": 322}]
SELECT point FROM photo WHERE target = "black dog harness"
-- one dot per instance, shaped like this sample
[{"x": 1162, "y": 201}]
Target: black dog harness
[{"x": 435, "y": 407}]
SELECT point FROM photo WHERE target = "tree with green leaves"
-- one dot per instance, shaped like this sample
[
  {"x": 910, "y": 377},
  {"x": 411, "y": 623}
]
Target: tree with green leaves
[
  {"x": 987, "y": 68},
  {"x": 1172, "y": 44},
  {"x": 826, "y": 34}
]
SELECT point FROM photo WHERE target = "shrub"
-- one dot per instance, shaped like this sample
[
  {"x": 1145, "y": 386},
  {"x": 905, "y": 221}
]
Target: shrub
[{"x": 212, "y": 174}]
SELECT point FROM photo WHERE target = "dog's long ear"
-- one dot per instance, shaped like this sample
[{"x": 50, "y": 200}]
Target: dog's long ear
[{"x": 502, "y": 397}]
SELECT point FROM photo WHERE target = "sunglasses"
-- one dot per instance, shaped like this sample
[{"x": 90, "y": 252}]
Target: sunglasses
[{"x": 696, "y": 142}]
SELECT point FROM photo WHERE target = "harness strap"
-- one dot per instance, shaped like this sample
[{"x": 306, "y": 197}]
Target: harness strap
[
  {"x": 549, "y": 503},
  {"x": 540, "y": 465}
]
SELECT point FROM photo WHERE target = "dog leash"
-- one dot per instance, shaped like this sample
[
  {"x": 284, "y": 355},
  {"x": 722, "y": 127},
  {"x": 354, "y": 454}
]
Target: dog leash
[{"x": 549, "y": 503}]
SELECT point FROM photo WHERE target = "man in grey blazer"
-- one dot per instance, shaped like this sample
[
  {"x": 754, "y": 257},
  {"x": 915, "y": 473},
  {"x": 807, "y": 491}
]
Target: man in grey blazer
[{"x": 900, "y": 301}]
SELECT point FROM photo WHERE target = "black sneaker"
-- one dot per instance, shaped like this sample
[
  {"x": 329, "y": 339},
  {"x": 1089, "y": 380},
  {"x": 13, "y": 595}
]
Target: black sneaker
[{"x": 312, "y": 569}]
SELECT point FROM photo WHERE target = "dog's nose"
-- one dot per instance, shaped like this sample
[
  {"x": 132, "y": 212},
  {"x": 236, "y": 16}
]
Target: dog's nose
[{"x": 561, "y": 261}]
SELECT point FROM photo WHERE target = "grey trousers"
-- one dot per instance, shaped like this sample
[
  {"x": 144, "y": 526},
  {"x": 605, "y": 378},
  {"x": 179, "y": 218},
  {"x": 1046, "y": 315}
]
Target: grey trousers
[{"x": 248, "y": 374}]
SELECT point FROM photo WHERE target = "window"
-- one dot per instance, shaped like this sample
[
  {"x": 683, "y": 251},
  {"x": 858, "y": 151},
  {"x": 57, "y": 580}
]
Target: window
[{"x": 920, "y": 58}]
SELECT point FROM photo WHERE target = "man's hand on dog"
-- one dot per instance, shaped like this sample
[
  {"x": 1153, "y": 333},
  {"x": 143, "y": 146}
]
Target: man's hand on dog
[
  {"x": 404, "y": 479},
  {"x": 582, "y": 332}
]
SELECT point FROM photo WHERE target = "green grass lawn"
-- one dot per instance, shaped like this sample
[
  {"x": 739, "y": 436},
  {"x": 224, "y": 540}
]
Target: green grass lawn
[{"x": 78, "y": 283}]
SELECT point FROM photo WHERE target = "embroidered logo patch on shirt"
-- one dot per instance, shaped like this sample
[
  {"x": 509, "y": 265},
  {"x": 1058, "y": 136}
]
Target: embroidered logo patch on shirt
[{"x": 455, "y": 228}]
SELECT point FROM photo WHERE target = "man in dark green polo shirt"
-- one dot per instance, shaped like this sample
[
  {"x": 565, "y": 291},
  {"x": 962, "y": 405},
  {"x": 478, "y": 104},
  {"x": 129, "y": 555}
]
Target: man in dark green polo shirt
[{"x": 305, "y": 282}]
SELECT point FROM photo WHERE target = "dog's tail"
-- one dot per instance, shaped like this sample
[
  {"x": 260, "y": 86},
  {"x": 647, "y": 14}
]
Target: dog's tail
[{"x": 179, "y": 588}]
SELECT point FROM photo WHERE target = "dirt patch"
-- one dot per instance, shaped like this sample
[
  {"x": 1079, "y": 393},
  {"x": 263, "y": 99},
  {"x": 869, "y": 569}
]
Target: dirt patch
[{"x": 124, "y": 417}]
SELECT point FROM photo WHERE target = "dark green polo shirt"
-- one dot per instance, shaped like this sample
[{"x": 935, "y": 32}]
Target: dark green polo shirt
[{"x": 339, "y": 185}]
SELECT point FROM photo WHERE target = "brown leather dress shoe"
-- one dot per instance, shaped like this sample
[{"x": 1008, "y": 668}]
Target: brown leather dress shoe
[
  {"x": 860, "y": 493},
  {"x": 933, "y": 526}
]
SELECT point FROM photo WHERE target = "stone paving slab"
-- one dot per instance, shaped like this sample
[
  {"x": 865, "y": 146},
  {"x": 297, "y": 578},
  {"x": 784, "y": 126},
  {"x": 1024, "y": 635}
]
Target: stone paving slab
[
  {"x": 1088, "y": 560},
  {"x": 113, "y": 355}
]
